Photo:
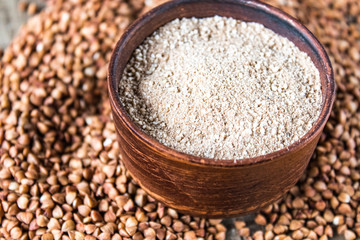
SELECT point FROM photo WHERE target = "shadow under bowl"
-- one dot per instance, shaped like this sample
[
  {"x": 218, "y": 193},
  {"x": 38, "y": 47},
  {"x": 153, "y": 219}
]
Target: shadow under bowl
[{"x": 209, "y": 187}]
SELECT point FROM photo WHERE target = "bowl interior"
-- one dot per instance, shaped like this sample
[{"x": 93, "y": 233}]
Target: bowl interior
[{"x": 245, "y": 10}]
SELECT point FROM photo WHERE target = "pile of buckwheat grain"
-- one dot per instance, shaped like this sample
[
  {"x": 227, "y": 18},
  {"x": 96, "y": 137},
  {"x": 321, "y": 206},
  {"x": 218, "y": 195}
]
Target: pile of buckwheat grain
[
  {"x": 221, "y": 88},
  {"x": 55, "y": 169},
  {"x": 325, "y": 202},
  {"x": 60, "y": 170},
  {"x": 31, "y": 8}
]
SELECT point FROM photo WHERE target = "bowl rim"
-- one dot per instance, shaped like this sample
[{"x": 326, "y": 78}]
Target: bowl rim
[{"x": 178, "y": 156}]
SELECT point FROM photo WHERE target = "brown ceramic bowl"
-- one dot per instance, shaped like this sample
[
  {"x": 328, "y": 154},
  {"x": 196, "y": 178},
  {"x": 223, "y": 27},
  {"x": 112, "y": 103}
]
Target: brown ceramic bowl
[{"x": 209, "y": 187}]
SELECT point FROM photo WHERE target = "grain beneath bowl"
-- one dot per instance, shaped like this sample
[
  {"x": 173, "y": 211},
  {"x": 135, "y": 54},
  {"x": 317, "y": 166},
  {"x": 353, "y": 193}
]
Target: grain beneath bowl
[{"x": 221, "y": 88}]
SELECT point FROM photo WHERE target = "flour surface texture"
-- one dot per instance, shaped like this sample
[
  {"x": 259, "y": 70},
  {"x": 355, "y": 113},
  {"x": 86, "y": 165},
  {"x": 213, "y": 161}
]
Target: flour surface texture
[{"x": 221, "y": 88}]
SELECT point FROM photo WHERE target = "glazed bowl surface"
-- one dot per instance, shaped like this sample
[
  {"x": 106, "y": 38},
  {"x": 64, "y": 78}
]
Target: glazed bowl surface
[{"x": 210, "y": 187}]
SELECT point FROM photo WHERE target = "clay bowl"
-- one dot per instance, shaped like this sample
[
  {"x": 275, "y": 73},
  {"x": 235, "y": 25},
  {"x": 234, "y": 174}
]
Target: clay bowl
[{"x": 209, "y": 187}]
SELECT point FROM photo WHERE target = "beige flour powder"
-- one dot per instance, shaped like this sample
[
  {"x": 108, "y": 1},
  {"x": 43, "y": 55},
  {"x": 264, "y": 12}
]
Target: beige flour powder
[{"x": 221, "y": 88}]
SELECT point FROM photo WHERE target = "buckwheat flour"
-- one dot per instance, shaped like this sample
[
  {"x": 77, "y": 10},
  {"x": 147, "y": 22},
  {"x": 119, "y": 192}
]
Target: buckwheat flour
[{"x": 221, "y": 88}]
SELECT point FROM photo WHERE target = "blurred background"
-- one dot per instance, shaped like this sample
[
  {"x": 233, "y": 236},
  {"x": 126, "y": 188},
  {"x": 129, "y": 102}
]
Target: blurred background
[{"x": 13, "y": 13}]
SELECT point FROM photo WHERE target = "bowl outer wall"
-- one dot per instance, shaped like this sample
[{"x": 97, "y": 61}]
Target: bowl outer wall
[{"x": 200, "y": 186}]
